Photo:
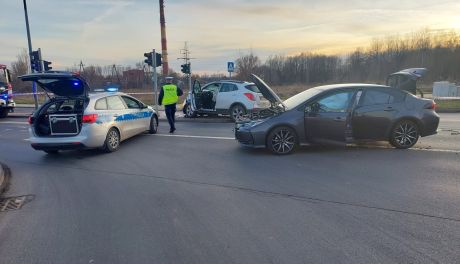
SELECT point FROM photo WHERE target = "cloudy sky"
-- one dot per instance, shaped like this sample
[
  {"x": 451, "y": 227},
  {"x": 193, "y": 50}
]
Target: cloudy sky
[{"x": 120, "y": 31}]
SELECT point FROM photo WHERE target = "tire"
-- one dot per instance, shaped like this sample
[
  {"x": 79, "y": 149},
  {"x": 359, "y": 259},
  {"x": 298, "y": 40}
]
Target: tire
[
  {"x": 188, "y": 112},
  {"x": 282, "y": 140},
  {"x": 112, "y": 141},
  {"x": 237, "y": 112},
  {"x": 153, "y": 128},
  {"x": 404, "y": 134},
  {"x": 3, "y": 113},
  {"x": 51, "y": 152}
]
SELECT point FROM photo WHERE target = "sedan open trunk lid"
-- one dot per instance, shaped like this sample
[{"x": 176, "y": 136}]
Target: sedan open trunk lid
[
  {"x": 266, "y": 91},
  {"x": 62, "y": 84}
]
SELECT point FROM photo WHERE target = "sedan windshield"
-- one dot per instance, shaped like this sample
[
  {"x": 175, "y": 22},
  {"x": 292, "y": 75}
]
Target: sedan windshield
[{"x": 299, "y": 98}]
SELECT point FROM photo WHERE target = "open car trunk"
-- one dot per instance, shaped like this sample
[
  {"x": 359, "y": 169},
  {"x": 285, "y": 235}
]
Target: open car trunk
[
  {"x": 62, "y": 115},
  {"x": 59, "y": 117},
  {"x": 406, "y": 79}
]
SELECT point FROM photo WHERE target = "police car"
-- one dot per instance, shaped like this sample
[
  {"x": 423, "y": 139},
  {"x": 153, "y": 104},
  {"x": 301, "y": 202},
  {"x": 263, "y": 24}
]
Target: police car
[{"x": 73, "y": 118}]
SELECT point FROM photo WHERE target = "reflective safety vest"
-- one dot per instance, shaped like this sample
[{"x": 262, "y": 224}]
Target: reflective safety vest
[{"x": 169, "y": 94}]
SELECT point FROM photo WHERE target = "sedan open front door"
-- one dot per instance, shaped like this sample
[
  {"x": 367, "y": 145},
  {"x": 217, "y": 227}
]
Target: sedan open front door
[
  {"x": 196, "y": 101},
  {"x": 327, "y": 119}
]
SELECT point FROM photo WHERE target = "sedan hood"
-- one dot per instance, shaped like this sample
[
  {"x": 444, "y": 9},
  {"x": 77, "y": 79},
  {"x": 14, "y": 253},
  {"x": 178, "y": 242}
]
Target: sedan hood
[
  {"x": 65, "y": 84},
  {"x": 266, "y": 91}
]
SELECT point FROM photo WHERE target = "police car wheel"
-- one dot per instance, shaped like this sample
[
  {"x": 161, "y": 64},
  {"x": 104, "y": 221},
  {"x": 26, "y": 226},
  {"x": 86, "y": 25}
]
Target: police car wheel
[
  {"x": 153, "y": 125},
  {"x": 112, "y": 141}
]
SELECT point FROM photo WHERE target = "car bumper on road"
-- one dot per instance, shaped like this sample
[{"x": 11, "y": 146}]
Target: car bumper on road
[
  {"x": 90, "y": 136},
  {"x": 246, "y": 138},
  {"x": 430, "y": 124}
]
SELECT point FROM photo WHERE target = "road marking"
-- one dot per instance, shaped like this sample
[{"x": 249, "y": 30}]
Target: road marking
[
  {"x": 190, "y": 136},
  {"x": 436, "y": 150},
  {"x": 14, "y": 122}
]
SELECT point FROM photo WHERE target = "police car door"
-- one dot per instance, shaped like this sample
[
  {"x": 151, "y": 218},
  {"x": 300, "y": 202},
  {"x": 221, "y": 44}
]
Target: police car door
[
  {"x": 139, "y": 115},
  {"x": 117, "y": 109}
]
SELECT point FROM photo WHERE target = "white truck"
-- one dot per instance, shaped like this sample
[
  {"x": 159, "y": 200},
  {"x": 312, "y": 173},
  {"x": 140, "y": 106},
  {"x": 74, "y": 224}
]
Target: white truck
[{"x": 6, "y": 92}]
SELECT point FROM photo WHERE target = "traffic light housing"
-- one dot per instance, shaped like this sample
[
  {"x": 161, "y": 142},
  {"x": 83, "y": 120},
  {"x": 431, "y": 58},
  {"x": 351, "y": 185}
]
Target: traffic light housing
[
  {"x": 46, "y": 65},
  {"x": 185, "y": 68},
  {"x": 158, "y": 59},
  {"x": 35, "y": 61},
  {"x": 148, "y": 59}
]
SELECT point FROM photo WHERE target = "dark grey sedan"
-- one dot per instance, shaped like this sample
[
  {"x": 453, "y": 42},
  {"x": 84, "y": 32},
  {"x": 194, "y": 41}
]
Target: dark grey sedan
[{"x": 341, "y": 113}]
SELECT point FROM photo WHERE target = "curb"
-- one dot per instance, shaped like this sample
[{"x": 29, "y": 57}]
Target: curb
[{"x": 5, "y": 175}]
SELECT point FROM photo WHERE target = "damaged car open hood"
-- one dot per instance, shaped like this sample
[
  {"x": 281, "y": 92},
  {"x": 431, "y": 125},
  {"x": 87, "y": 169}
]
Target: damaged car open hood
[
  {"x": 266, "y": 91},
  {"x": 62, "y": 84}
]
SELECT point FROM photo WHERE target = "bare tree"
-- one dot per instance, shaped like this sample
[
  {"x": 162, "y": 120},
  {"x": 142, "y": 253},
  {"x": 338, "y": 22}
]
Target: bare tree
[{"x": 247, "y": 64}]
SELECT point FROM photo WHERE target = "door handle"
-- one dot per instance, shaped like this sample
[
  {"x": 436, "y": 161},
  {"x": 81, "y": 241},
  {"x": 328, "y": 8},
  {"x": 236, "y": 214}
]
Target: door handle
[
  {"x": 338, "y": 119},
  {"x": 115, "y": 115},
  {"x": 388, "y": 109}
]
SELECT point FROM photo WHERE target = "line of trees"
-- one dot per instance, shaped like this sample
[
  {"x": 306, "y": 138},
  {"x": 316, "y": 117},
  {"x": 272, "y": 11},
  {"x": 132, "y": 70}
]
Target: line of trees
[{"x": 438, "y": 51}]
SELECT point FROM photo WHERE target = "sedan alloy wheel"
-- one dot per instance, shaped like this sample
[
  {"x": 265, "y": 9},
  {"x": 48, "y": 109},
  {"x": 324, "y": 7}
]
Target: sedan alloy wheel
[
  {"x": 282, "y": 140},
  {"x": 404, "y": 135}
]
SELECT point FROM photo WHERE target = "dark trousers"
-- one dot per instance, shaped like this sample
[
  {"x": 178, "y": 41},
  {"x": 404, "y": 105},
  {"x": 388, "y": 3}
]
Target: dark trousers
[{"x": 170, "y": 111}]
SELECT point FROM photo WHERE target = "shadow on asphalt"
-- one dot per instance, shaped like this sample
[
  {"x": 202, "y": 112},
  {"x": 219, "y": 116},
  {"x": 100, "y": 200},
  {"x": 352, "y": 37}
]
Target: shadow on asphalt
[
  {"x": 375, "y": 146},
  {"x": 240, "y": 150}
]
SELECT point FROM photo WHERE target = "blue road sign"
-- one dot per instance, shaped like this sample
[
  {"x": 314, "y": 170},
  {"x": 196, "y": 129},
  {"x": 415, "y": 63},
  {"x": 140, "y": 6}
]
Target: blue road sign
[{"x": 230, "y": 66}]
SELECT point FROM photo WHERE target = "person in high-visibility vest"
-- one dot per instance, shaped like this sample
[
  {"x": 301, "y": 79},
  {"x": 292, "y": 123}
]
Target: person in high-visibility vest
[{"x": 169, "y": 95}]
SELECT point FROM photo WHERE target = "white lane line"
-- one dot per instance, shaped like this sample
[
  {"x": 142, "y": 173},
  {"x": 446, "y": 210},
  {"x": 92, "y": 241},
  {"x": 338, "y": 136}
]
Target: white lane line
[
  {"x": 436, "y": 150},
  {"x": 190, "y": 136},
  {"x": 14, "y": 122},
  {"x": 26, "y": 139}
]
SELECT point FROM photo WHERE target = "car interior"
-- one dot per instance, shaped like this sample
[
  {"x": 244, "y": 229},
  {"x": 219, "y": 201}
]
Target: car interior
[{"x": 57, "y": 107}]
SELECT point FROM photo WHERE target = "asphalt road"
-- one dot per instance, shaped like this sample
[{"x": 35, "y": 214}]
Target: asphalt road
[{"x": 198, "y": 197}]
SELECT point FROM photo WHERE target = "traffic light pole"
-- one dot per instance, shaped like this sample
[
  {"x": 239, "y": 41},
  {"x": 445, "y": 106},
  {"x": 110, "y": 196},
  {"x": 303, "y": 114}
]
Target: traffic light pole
[
  {"x": 190, "y": 82},
  {"x": 155, "y": 80},
  {"x": 42, "y": 64},
  {"x": 34, "y": 85}
]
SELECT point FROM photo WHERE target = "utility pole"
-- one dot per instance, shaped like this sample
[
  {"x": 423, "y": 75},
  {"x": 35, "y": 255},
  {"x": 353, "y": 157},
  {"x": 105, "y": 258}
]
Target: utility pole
[
  {"x": 155, "y": 80},
  {"x": 164, "y": 49},
  {"x": 34, "y": 85},
  {"x": 186, "y": 57}
]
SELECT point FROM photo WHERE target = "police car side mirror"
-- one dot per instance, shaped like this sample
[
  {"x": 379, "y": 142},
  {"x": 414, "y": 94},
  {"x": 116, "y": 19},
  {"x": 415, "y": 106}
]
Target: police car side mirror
[{"x": 143, "y": 106}]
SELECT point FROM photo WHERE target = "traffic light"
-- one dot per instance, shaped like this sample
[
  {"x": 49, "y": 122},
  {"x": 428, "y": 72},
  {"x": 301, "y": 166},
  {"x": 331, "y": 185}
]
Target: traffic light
[
  {"x": 158, "y": 59},
  {"x": 185, "y": 68},
  {"x": 35, "y": 61},
  {"x": 46, "y": 65},
  {"x": 149, "y": 61}
]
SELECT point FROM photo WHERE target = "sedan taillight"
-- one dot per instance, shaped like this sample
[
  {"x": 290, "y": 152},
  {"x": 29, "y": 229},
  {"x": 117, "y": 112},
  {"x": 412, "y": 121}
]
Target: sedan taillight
[
  {"x": 433, "y": 105},
  {"x": 250, "y": 96},
  {"x": 30, "y": 120},
  {"x": 89, "y": 119}
]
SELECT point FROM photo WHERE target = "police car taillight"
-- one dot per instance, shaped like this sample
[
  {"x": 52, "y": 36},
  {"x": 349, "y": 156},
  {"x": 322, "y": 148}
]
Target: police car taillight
[{"x": 89, "y": 119}]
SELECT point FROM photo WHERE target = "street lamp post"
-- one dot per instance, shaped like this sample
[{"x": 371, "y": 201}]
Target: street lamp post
[{"x": 34, "y": 85}]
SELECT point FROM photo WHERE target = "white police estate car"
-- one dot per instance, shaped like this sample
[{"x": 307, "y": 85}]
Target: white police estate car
[{"x": 73, "y": 118}]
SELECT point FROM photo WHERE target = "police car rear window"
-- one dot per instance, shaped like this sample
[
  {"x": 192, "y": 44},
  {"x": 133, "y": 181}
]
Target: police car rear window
[
  {"x": 115, "y": 103},
  {"x": 101, "y": 104}
]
